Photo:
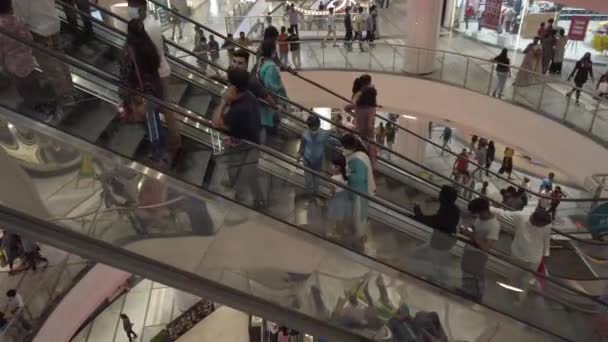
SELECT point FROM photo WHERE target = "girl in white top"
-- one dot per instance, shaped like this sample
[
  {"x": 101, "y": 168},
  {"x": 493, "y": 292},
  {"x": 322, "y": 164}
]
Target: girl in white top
[{"x": 331, "y": 27}]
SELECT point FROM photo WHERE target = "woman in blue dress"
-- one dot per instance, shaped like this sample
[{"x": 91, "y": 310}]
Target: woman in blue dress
[
  {"x": 270, "y": 77},
  {"x": 360, "y": 178}
]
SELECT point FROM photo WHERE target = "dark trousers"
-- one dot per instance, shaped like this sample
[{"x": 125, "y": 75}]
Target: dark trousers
[
  {"x": 578, "y": 85},
  {"x": 72, "y": 15},
  {"x": 507, "y": 166},
  {"x": 294, "y": 27},
  {"x": 359, "y": 37},
  {"x": 348, "y": 37},
  {"x": 131, "y": 334}
]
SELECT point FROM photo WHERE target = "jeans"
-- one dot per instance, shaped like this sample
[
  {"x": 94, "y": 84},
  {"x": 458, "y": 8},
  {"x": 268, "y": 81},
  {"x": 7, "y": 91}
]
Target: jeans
[
  {"x": 311, "y": 180},
  {"x": 296, "y": 59},
  {"x": 473, "y": 285},
  {"x": 500, "y": 82},
  {"x": 242, "y": 169},
  {"x": 284, "y": 58},
  {"x": 294, "y": 27},
  {"x": 72, "y": 15}
]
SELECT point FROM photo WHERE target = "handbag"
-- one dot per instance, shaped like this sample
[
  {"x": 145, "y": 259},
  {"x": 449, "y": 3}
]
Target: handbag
[
  {"x": 603, "y": 87},
  {"x": 134, "y": 108}
]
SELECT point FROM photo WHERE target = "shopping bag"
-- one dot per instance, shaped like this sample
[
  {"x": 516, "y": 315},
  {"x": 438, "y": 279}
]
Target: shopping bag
[
  {"x": 542, "y": 272},
  {"x": 603, "y": 88}
]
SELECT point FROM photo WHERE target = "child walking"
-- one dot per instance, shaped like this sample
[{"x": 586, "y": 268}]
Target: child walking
[{"x": 312, "y": 150}]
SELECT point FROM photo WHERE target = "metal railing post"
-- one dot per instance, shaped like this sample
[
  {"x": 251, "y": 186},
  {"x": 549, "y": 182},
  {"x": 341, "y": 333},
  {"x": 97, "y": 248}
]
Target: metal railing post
[
  {"x": 466, "y": 73},
  {"x": 567, "y": 106},
  {"x": 418, "y": 62},
  {"x": 322, "y": 57},
  {"x": 490, "y": 82},
  {"x": 369, "y": 52},
  {"x": 394, "y": 56},
  {"x": 441, "y": 67},
  {"x": 540, "y": 98}
]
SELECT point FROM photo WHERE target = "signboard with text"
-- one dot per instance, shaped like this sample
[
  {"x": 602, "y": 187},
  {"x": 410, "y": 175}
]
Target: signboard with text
[
  {"x": 578, "y": 28},
  {"x": 490, "y": 18}
]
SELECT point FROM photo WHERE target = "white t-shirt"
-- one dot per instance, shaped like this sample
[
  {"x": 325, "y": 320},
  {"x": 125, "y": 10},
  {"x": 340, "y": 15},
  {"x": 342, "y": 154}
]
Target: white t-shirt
[
  {"x": 41, "y": 15},
  {"x": 154, "y": 31},
  {"x": 530, "y": 243}
]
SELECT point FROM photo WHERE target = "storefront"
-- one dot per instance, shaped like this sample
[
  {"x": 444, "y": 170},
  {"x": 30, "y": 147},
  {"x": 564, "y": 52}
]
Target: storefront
[{"x": 514, "y": 23}]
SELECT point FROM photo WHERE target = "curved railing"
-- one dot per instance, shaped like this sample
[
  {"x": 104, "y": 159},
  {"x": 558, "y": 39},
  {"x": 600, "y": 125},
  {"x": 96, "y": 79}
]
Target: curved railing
[
  {"x": 443, "y": 175},
  {"x": 369, "y": 63}
]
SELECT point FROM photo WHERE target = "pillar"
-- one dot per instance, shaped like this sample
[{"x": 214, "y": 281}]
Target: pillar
[
  {"x": 409, "y": 145},
  {"x": 422, "y": 25}
]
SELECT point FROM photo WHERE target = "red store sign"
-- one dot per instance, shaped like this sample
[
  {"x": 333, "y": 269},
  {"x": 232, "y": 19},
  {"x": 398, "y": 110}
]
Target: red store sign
[
  {"x": 490, "y": 18},
  {"x": 578, "y": 28}
]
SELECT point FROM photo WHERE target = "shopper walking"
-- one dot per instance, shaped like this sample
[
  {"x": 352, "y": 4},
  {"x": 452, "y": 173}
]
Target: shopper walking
[
  {"x": 312, "y": 152},
  {"x": 69, "y": 8},
  {"x": 18, "y": 64},
  {"x": 239, "y": 115},
  {"x": 531, "y": 65},
  {"x": 364, "y": 111},
  {"x": 531, "y": 243},
  {"x": 358, "y": 25},
  {"x": 127, "y": 326},
  {"x": 360, "y": 178},
  {"x": 503, "y": 71},
  {"x": 445, "y": 224},
  {"x": 381, "y": 134},
  {"x": 460, "y": 170},
  {"x": 214, "y": 49},
  {"x": 270, "y": 77},
  {"x": 483, "y": 234},
  {"x": 283, "y": 47},
  {"x": 371, "y": 25},
  {"x": 602, "y": 85},
  {"x": 229, "y": 46},
  {"x": 490, "y": 154},
  {"x": 348, "y": 28},
  {"x": 548, "y": 47},
  {"x": 391, "y": 134},
  {"x": 547, "y": 182},
  {"x": 294, "y": 48},
  {"x": 16, "y": 307},
  {"x": 139, "y": 67},
  {"x": 154, "y": 31},
  {"x": 41, "y": 16},
  {"x": 561, "y": 40},
  {"x": 507, "y": 161},
  {"x": 201, "y": 51},
  {"x": 294, "y": 19},
  {"x": 446, "y": 137},
  {"x": 581, "y": 73},
  {"x": 331, "y": 27}
]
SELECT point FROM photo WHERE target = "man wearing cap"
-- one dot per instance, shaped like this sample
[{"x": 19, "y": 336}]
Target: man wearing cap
[{"x": 530, "y": 244}]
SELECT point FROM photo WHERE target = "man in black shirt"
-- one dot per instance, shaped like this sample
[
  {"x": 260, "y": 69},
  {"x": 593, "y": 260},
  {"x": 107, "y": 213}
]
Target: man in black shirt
[
  {"x": 294, "y": 48},
  {"x": 445, "y": 224},
  {"x": 239, "y": 115},
  {"x": 348, "y": 26}
]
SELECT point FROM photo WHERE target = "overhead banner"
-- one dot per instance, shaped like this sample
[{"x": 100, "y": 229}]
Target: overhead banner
[
  {"x": 578, "y": 28},
  {"x": 490, "y": 18}
]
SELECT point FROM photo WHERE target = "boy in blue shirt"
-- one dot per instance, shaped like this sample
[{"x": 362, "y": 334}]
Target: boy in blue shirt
[{"x": 312, "y": 150}]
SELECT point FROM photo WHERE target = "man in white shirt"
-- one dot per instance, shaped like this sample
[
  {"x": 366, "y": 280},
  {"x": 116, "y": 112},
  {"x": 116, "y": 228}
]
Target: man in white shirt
[
  {"x": 331, "y": 27},
  {"x": 153, "y": 28},
  {"x": 16, "y": 307},
  {"x": 530, "y": 245},
  {"x": 485, "y": 232},
  {"x": 44, "y": 23}
]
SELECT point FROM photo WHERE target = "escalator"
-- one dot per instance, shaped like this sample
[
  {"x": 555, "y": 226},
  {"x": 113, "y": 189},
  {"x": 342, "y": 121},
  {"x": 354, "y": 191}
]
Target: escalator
[
  {"x": 398, "y": 177},
  {"x": 246, "y": 234}
]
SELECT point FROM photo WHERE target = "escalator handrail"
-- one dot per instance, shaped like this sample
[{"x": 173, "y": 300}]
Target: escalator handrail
[
  {"x": 103, "y": 75},
  {"x": 370, "y": 141},
  {"x": 325, "y": 89},
  {"x": 121, "y": 258},
  {"x": 382, "y": 147}
]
